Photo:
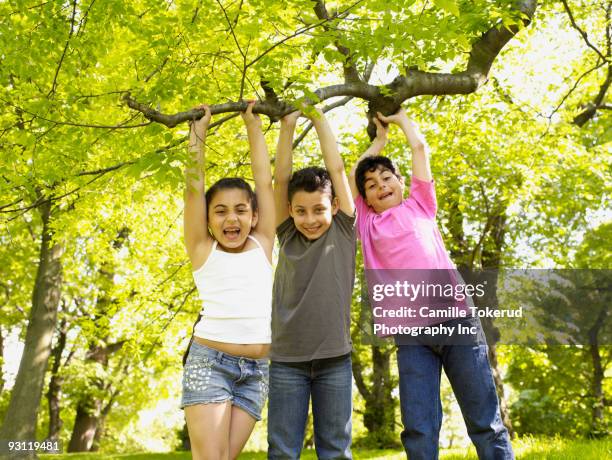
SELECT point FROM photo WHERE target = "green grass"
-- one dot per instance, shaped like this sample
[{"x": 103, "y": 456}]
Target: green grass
[{"x": 526, "y": 448}]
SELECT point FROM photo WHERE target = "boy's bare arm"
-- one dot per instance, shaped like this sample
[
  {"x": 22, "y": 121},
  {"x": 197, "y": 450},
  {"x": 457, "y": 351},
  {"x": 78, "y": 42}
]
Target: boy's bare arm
[
  {"x": 420, "y": 150},
  {"x": 283, "y": 166},
  {"x": 260, "y": 165},
  {"x": 195, "y": 228},
  {"x": 333, "y": 163},
  {"x": 377, "y": 146}
]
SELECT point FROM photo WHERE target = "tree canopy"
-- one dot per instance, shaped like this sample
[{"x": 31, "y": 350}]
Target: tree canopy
[{"x": 512, "y": 96}]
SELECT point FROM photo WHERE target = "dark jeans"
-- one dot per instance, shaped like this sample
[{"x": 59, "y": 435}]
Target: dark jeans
[
  {"x": 329, "y": 382},
  {"x": 469, "y": 372}
]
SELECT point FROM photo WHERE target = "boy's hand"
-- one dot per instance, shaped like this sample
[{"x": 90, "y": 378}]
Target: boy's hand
[
  {"x": 200, "y": 126},
  {"x": 291, "y": 118},
  {"x": 251, "y": 119},
  {"x": 317, "y": 115},
  {"x": 399, "y": 118}
]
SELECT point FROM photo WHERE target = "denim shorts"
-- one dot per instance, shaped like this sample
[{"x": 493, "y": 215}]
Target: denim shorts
[{"x": 211, "y": 376}]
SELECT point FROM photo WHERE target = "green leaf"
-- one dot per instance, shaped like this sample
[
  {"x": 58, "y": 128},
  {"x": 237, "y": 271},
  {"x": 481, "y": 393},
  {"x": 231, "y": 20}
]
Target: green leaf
[{"x": 448, "y": 5}]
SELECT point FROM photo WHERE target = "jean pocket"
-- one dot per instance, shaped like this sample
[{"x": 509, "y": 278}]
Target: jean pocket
[{"x": 197, "y": 373}]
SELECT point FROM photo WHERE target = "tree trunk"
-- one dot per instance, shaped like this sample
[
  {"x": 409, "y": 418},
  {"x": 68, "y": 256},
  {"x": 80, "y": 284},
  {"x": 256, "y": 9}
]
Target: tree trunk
[
  {"x": 102, "y": 421},
  {"x": 491, "y": 262},
  {"x": 90, "y": 410},
  {"x": 489, "y": 250},
  {"x": 379, "y": 417},
  {"x": 21, "y": 417},
  {"x": 2, "y": 381},
  {"x": 85, "y": 426},
  {"x": 499, "y": 386},
  {"x": 55, "y": 386},
  {"x": 89, "y": 422},
  {"x": 598, "y": 424},
  {"x": 379, "y": 414}
]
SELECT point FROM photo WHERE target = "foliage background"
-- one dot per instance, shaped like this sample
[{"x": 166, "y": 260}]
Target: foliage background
[{"x": 113, "y": 179}]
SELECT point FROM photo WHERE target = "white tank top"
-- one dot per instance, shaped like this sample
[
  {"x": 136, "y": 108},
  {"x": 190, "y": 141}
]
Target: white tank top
[{"x": 236, "y": 294}]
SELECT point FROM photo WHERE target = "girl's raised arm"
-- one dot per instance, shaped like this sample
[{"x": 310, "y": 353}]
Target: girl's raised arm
[
  {"x": 260, "y": 165},
  {"x": 198, "y": 242}
]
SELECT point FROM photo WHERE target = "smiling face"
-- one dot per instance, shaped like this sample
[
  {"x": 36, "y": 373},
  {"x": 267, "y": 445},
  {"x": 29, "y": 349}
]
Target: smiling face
[
  {"x": 312, "y": 212},
  {"x": 231, "y": 218},
  {"x": 383, "y": 189}
]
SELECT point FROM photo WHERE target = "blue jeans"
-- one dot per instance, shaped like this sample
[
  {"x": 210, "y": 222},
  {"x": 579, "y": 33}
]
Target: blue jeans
[
  {"x": 211, "y": 376},
  {"x": 329, "y": 382},
  {"x": 469, "y": 372}
]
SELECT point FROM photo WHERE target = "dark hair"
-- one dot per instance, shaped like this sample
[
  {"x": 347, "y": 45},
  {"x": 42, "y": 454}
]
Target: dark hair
[
  {"x": 371, "y": 164},
  {"x": 310, "y": 180},
  {"x": 229, "y": 183}
]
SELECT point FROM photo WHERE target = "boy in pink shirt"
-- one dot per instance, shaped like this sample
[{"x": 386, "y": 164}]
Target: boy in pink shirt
[{"x": 400, "y": 233}]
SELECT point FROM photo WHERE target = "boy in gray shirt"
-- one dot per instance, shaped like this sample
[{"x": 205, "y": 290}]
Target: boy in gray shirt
[{"x": 314, "y": 279}]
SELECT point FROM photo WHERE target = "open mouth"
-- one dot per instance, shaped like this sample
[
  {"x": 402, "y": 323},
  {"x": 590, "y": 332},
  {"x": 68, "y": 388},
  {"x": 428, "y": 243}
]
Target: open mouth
[
  {"x": 231, "y": 233},
  {"x": 385, "y": 196}
]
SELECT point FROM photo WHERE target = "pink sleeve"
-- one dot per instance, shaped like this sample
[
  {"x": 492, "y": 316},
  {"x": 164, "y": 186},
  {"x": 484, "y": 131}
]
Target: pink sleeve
[
  {"x": 362, "y": 213},
  {"x": 424, "y": 194}
]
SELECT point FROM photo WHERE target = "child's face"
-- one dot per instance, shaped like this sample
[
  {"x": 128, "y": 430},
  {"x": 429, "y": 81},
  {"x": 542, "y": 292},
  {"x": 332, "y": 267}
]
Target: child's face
[
  {"x": 231, "y": 218},
  {"x": 383, "y": 189},
  {"x": 312, "y": 212}
]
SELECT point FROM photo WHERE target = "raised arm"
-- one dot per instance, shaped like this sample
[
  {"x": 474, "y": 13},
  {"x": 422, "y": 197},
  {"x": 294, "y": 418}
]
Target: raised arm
[
  {"x": 420, "y": 150},
  {"x": 377, "y": 145},
  {"x": 333, "y": 162},
  {"x": 260, "y": 165},
  {"x": 283, "y": 166},
  {"x": 197, "y": 239}
]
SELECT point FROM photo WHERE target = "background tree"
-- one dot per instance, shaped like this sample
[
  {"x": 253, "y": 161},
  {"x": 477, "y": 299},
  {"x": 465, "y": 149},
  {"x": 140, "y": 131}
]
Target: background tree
[{"x": 517, "y": 177}]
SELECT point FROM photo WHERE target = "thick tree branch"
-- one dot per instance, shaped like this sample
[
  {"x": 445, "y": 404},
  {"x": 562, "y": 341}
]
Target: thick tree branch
[
  {"x": 386, "y": 99},
  {"x": 269, "y": 91},
  {"x": 350, "y": 71}
]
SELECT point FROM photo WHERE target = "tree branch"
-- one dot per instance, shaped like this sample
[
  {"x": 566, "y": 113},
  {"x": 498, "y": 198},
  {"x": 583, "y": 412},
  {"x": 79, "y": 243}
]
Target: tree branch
[
  {"x": 573, "y": 88},
  {"x": 582, "y": 33},
  {"x": 350, "y": 71},
  {"x": 598, "y": 103},
  {"x": 59, "y": 65},
  {"x": 386, "y": 99}
]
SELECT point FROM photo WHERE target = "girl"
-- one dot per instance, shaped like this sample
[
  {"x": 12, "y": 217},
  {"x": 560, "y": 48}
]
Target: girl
[{"x": 229, "y": 236}]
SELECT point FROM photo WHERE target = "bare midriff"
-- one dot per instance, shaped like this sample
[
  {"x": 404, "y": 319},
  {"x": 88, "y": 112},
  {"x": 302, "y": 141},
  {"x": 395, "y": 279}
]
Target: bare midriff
[{"x": 250, "y": 350}]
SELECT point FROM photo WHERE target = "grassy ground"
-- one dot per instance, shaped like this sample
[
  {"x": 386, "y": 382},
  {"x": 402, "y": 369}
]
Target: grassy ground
[{"x": 527, "y": 448}]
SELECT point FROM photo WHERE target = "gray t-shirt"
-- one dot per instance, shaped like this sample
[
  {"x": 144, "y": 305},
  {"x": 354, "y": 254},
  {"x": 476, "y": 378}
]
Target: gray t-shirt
[{"x": 313, "y": 285}]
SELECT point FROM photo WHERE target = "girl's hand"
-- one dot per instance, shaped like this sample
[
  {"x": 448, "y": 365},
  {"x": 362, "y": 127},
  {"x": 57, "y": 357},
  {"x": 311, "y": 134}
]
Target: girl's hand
[
  {"x": 197, "y": 128},
  {"x": 399, "y": 118},
  {"x": 381, "y": 130},
  {"x": 250, "y": 119}
]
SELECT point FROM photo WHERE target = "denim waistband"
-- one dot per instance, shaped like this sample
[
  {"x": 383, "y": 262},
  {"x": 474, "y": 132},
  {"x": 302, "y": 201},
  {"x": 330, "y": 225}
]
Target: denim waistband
[{"x": 220, "y": 355}]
